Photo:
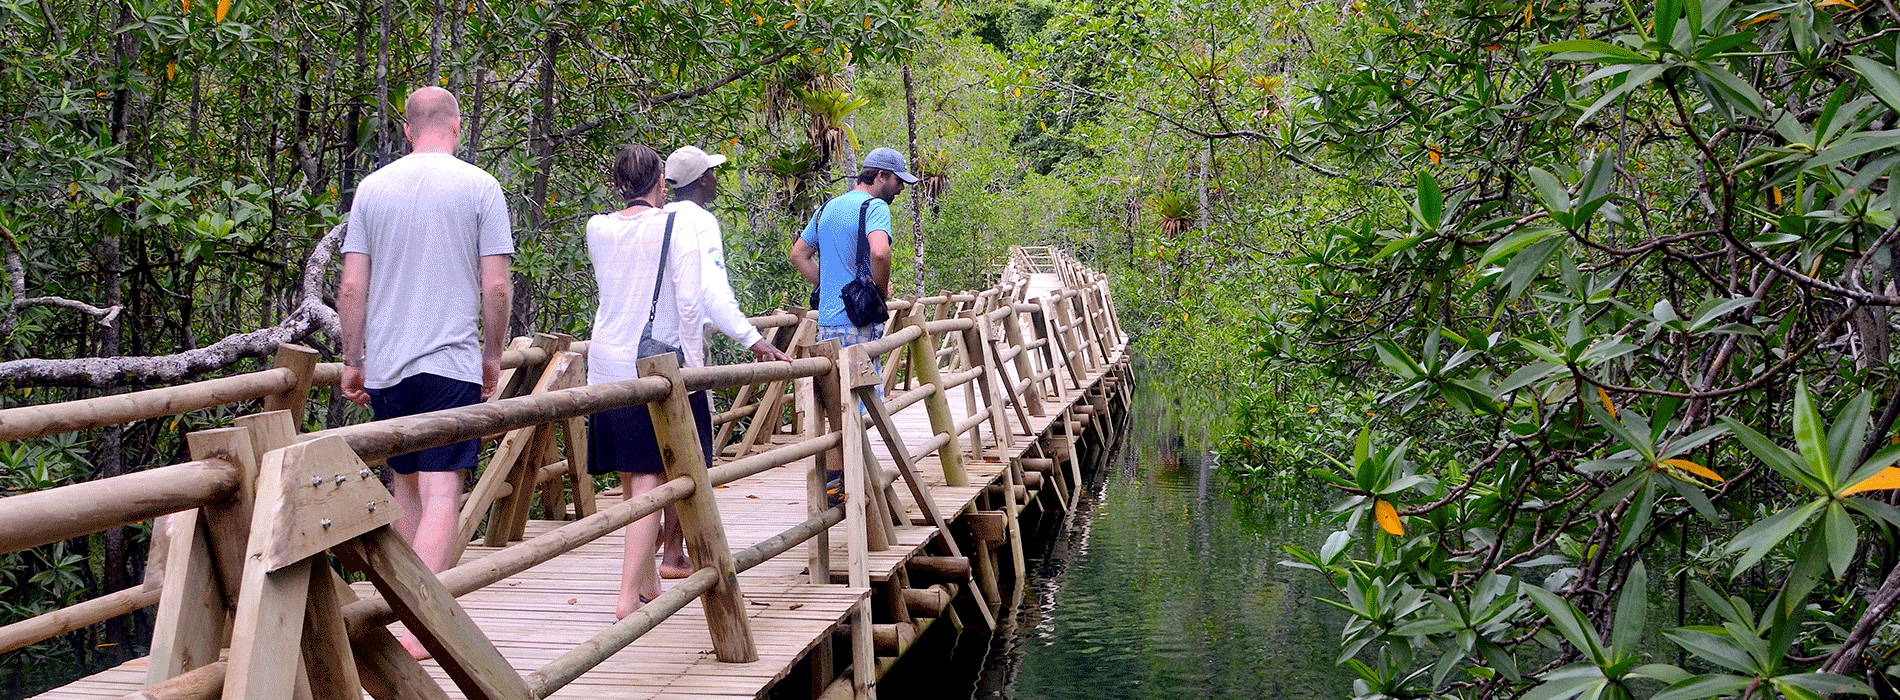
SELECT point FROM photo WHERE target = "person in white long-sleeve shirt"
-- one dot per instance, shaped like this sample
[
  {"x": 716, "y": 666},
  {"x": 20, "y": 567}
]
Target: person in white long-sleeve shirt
[
  {"x": 640, "y": 287},
  {"x": 695, "y": 184}
]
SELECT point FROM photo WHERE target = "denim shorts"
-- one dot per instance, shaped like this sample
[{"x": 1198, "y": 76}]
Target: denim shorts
[{"x": 422, "y": 393}]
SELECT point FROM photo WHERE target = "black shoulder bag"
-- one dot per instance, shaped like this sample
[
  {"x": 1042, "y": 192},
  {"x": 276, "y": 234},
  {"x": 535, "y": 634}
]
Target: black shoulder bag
[
  {"x": 648, "y": 345},
  {"x": 863, "y": 301}
]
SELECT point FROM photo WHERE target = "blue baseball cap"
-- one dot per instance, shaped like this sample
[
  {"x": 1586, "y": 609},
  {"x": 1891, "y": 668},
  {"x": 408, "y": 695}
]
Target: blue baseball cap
[{"x": 887, "y": 159}]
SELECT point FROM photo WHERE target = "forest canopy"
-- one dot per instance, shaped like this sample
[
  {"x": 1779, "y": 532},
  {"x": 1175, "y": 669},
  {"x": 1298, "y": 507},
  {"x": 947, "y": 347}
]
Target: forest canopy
[{"x": 1582, "y": 309}]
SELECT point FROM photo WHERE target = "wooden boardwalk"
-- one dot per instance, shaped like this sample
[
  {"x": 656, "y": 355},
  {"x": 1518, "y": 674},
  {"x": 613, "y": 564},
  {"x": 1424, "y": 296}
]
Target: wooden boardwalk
[{"x": 535, "y": 616}]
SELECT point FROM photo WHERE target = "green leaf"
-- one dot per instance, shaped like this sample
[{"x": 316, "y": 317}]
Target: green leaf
[
  {"x": 1738, "y": 91},
  {"x": 1626, "y": 628},
  {"x": 1551, "y": 191},
  {"x": 1431, "y": 202},
  {"x": 1706, "y": 686},
  {"x": 1513, "y": 243},
  {"x": 1775, "y": 456},
  {"x": 1881, "y": 79},
  {"x": 1808, "y": 437},
  {"x": 1716, "y": 648},
  {"x": 1590, "y": 50},
  {"x": 1843, "y": 540},
  {"x": 1570, "y": 623},
  {"x": 1764, "y": 535},
  {"x": 1667, "y": 12}
]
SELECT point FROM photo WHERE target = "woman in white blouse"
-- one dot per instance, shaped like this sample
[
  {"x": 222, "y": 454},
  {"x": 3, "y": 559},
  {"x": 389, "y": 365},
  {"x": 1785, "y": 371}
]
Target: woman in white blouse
[{"x": 626, "y": 250}]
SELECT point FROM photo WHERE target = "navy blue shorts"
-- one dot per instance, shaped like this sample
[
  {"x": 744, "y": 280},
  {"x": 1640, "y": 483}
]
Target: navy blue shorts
[
  {"x": 422, "y": 393},
  {"x": 622, "y": 440}
]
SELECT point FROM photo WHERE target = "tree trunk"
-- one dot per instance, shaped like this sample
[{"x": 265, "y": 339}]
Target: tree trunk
[
  {"x": 916, "y": 210},
  {"x": 522, "y": 320}
]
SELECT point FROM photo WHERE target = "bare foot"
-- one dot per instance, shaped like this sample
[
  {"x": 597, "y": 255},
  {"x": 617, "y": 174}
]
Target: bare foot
[
  {"x": 675, "y": 569},
  {"x": 628, "y": 605},
  {"x": 413, "y": 646}
]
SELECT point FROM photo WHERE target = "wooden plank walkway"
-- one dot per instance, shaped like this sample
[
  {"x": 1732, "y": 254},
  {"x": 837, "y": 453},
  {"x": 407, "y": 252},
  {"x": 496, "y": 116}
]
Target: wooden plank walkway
[{"x": 542, "y": 613}]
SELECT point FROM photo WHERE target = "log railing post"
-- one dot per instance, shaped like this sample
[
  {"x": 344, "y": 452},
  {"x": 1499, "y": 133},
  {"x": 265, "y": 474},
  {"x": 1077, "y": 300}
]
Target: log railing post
[
  {"x": 303, "y": 362},
  {"x": 699, "y": 513},
  {"x": 977, "y": 351},
  {"x": 814, "y": 399},
  {"x": 923, "y": 352},
  {"x": 857, "y": 522},
  {"x": 1031, "y": 397}
]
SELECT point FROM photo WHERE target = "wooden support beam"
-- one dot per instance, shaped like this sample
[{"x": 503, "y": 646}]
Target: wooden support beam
[
  {"x": 326, "y": 642},
  {"x": 699, "y": 513},
  {"x": 919, "y": 490},
  {"x": 302, "y": 363},
  {"x": 430, "y": 612},
  {"x": 189, "y": 630}
]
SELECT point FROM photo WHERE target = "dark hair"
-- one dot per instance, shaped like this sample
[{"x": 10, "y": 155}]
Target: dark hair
[
  {"x": 636, "y": 171},
  {"x": 869, "y": 175}
]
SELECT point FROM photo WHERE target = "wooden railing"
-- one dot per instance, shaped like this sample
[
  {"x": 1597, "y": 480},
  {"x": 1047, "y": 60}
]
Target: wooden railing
[{"x": 250, "y": 522}]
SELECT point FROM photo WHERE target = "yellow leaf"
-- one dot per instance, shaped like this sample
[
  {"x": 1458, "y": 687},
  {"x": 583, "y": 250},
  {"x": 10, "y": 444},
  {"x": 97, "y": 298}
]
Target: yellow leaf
[
  {"x": 1493, "y": 47},
  {"x": 75, "y": 188},
  {"x": 1314, "y": 409},
  {"x": 1842, "y": 3},
  {"x": 1388, "y": 517},
  {"x": 1527, "y": 13},
  {"x": 758, "y": 21},
  {"x": 1888, "y": 478},
  {"x": 187, "y": 6},
  {"x": 1694, "y": 468},
  {"x": 171, "y": 71},
  {"x": 867, "y": 21},
  {"x": 1777, "y": 193},
  {"x": 223, "y": 7},
  {"x": 788, "y": 24},
  {"x": 1607, "y": 405},
  {"x": 1763, "y": 18},
  {"x": 1433, "y": 152}
]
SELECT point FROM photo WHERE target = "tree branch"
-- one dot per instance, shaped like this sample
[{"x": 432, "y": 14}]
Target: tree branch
[{"x": 310, "y": 316}]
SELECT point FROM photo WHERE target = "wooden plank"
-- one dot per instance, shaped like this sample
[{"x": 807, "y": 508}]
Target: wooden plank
[{"x": 320, "y": 496}]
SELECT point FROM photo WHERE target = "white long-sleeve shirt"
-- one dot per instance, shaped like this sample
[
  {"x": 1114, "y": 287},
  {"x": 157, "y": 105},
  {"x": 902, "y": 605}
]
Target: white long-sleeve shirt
[
  {"x": 625, "y": 251},
  {"x": 719, "y": 305}
]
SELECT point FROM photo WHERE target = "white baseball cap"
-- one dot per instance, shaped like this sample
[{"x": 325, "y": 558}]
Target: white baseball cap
[{"x": 685, "y": 165}]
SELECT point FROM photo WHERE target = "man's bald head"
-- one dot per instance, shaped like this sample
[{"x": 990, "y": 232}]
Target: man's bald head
[{"x": 433, "y": 112}]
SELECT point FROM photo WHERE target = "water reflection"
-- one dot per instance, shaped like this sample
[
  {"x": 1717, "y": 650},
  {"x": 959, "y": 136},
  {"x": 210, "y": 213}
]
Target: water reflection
[{"x": 1166, "y": 584}]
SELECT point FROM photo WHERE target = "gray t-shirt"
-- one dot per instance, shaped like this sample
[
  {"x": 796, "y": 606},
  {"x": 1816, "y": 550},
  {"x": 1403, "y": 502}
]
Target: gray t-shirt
[{"x": 425, "y": 221}]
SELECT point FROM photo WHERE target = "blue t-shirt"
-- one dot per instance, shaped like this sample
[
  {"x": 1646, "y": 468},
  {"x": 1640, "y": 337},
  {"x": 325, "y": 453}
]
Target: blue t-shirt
[{"x": 837, "y": 247}]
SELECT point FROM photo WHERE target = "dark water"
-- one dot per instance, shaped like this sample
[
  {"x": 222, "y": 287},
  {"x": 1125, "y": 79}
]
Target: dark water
[{"x": 1167, "y": 583}]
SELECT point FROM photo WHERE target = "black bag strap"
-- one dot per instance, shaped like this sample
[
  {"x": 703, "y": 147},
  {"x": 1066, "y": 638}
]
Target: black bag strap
[
  {"x": 653, "y": 309},
  {"x": 864, "y": 244}
]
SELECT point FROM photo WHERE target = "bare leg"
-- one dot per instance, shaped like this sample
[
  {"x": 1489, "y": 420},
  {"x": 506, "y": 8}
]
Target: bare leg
[
  {"x": 441, "y": 506},
  {"x": 673, "y": 562},
  {"x": 430, "y": 506},
  {"x": 409, "y": 496},
  {"x": 637, "y": 575}
]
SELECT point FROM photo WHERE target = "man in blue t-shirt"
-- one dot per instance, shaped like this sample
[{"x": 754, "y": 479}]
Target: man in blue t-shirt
[{"x": 826, "y": 253}]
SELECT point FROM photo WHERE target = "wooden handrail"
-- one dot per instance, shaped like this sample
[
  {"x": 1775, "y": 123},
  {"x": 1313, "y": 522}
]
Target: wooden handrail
[
  {"x": 51, "y": 419},
  {"x": 44, "y": 517},
  {"x": 53, "y": 623}
]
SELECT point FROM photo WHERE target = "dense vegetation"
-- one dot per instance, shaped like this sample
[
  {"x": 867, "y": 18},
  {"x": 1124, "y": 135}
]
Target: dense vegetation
[{"x": 1580, "y": 307}]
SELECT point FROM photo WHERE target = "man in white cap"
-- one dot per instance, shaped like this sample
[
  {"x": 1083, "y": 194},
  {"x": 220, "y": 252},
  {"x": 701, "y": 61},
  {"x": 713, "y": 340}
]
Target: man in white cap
[{"x": 690, "y": 174}]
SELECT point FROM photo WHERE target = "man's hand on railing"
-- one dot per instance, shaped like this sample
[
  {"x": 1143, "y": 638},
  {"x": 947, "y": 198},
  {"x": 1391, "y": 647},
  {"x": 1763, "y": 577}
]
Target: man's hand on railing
[{"x": 765, "y": 351}]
